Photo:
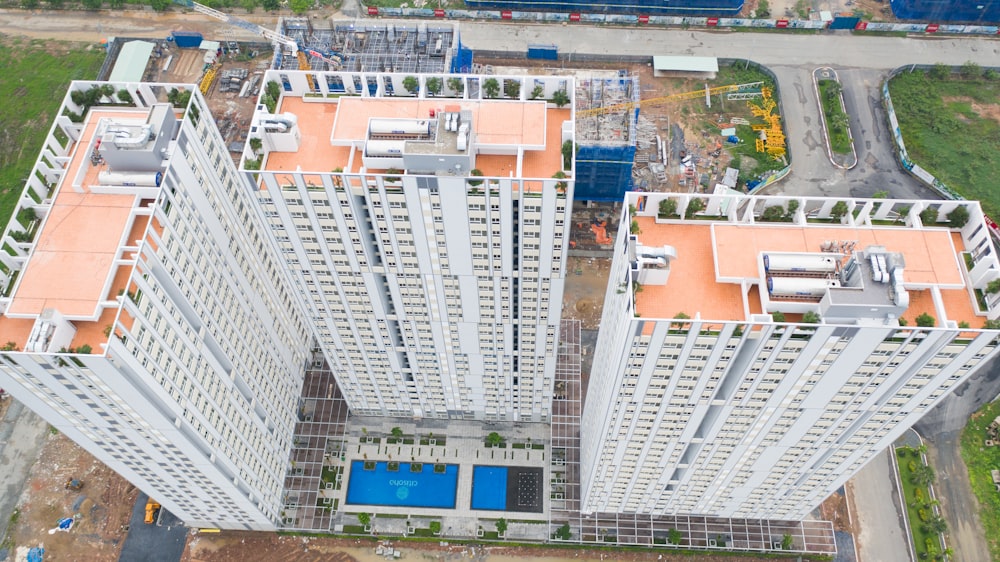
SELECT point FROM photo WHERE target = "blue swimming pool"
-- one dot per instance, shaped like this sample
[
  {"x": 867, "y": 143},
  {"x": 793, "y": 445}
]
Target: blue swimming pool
[
  {"x": 402, "y": 487},
  {"x": 489, "y": 487}
]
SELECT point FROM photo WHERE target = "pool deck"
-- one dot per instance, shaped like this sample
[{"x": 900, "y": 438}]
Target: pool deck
[{"x": 465, "y": 446}]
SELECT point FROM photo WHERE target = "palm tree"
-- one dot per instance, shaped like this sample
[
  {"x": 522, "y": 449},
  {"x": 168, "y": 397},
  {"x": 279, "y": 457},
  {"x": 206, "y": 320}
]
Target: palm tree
[{"x": 923, "y": 475}]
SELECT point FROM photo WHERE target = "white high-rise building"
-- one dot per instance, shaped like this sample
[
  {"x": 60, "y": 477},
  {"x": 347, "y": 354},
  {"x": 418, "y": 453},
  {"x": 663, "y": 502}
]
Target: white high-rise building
[
  {"x": 425, "y": 220},
  {"x": 163, "y": 305},
  {"x": 148, "y": 318},
  {"x": 756, "y": 352}
]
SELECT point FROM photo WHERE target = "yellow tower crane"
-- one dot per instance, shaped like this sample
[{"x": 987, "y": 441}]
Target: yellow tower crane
[{"x": 620, "y": 107}]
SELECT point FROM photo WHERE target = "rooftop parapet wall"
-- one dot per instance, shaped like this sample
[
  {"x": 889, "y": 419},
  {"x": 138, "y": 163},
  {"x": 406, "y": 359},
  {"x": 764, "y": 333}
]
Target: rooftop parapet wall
[
  {"x": 79, "y": 223},
  {"x": 947, "y": 267},
  {"x": 515, "y": 129}
]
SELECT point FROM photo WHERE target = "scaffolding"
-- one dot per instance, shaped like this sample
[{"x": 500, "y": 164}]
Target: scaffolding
[
  {"x": 606, "y": 136},
  {"x": 366, "y": 47}
]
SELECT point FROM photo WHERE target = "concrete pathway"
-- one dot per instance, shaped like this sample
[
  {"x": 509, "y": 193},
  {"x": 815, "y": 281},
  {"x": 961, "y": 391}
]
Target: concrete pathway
[
  {"x": 881, "y": 537},
  {"x": 22, "y": 435}
]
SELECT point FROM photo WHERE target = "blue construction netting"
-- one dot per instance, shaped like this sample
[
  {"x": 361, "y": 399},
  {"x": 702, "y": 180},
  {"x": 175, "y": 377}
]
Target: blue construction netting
[
  {"x": 958, "y": 11},
  {"x": 717, "y": 8},
  {"x": 462, "y": 61},
  {"x": 603, "y": 173}
]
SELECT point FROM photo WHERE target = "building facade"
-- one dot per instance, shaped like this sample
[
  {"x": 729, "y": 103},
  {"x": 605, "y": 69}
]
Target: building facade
[
  {"x": 425, "y": 220},
  {"x": 755, "y": 352},
  {"x": 149, "y": 318}
]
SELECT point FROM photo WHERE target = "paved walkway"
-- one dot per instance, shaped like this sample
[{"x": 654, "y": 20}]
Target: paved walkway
[{"x": 881, "y": 537}]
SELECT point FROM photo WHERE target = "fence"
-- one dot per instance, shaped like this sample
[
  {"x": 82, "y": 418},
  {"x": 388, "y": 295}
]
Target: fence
[{"x": 677, "y": 21}]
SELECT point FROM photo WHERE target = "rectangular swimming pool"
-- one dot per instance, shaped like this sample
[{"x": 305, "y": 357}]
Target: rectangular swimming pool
[
  {"x": 489, "y": 487},
  {"x": 403, "y": 487}
]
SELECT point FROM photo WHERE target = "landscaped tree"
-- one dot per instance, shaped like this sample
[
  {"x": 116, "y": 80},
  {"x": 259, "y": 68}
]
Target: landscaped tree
[
  {"x": 364, "y": 518},
  {"x": 491, "y": 87},
  {"x": 958, "y": 217},
  {"x": 786, "y": 542},
  {"x": 512, "y": 88},
  {"x": 778, "y": 316},
  {"x": 501, "y": 526},
  {"x": 564, "y": 532},
  {"x": 411, "y": 84},
  {"x": 839, "y": 210},
  {"x": 270, "y": 5},
  {"x": 929, "y": 216},
  {"x": 634, "y": 227},
  {"x": 774, "y": 213},
  {"x": 477, "y": 173},
  {"x": 91, "y": 4},
  {"x": 881, "y": 194},
  {"x": 397, "y": 433},
  {"x": 674, "y": 537},
  {"x": 667, "y": 208},
  {"x": 560, "y": 98},
  {"x": 695, "y": 205},
  {"x": 249, "y": 5},
  {"x": 567, "y": 154},
  {"x": 923, "y": 475},
  {"x": 925, "y": 320},
  {"x": 537, "y": 92},
  {"x": 434, "y": 86},
  {"x": 991, "y": 325},
  {"x": 810, "y": 317},
  {"x": 935, "y": 525},
  {"x": 560, "y": 185},
  {"x": 993, "y": 286},
  {"x": 456, "y": 85},
  {"x": 494, "y": 439},
  {"x": 793, "y": 207},
  {"x": 435, "y": 527}
]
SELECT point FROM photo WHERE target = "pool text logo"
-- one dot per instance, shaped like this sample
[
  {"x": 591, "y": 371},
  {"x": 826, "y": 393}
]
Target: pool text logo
[
  {"x": 407, "y": 483},
  {"x": 403, "y": 489}
]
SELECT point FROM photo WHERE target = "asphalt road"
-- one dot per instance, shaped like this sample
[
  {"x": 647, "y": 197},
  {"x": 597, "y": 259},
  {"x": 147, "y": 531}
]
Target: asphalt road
[
  {"x": 159, "y": 542},
  {"x": 788, "y": 49}
]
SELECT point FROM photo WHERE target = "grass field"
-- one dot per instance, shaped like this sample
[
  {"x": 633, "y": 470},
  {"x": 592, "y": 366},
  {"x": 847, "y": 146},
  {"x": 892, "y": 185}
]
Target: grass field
[
  {"x": 35, "y": 75},
  {"x": 836, "y": 119},
  {"x": 752, "y": 164},
  {"x": 980, "y": 460},
  {"x": 951, "y": 128}
]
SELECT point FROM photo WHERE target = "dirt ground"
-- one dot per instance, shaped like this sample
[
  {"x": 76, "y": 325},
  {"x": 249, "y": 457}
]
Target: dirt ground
[
  {"x": 240, "y": 547},
  {"x": 586, "y": 284},
  {"x": 835, "y": 509},
  {"x": 101, "y": 508},
  {"x": 232, "y": 113}
]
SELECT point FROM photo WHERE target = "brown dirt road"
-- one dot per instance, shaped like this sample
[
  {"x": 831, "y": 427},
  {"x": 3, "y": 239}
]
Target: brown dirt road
[
  {"x": 239, "y": 547},
  {"x": 95, "y": 26}
]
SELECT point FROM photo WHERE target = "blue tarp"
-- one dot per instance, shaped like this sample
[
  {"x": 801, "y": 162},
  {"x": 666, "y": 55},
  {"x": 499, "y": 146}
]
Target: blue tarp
[{"x": 603, "y": 173}]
